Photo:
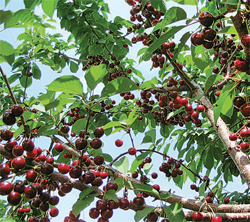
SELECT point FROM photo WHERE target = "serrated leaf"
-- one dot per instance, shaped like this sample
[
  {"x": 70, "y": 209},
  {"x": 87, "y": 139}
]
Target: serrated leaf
[
  {"x": 183, "y": 40},
  {"x": 122, "y": 164},
  {"x": 49, "y": 7},
  {"x": 143, "y": 213},
  {"x": 157, "y": 43},
  {"x": 146, "y": 188},
  {"x": 94, "y": 75},
  {"x": 68, "y": 84},
  {"x": 173, "y": 14},
  {"x": 83, "y": 203},
  {"x": 118, "y": 85},
  {"x": 211, "y": 80},
  {"x": 86, "y": 192}
]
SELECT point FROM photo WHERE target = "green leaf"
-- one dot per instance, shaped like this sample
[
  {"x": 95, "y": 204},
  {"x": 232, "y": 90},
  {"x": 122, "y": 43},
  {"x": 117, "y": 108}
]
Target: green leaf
[
  {"x": 8, "y": 220},
  {"x": 111, "y": 124},
  {"x": 110, "y": 195},
  {"x": 159, "y": 5},
  {"x": 49, "y": 7},
  {"x": 232, "y": 2},
  {"x": 119, "y": 85},
  {"x": 149, "y": 136},
  {"x": 83, "y": 203},
  {"x": 202, "y": 189},
  {"x": 143, "y": 213},
  {"x": 157, "y": 44},
  {"x": 187, "y": 2},
  {"x": 173, "y": 14},
  {"x": 122, "y": 164},
  {"x": 174, "y": 212},
  {"x": 183, "y": 40},
  {"x": 25, "y": 81},
  {"x": 86, "y": 192},
  {"x": 36, "y": 71},
  {"x": 79, "y": 125},
  {"x": 68, "y": 84},
  {"x": 5, "y": 15},
  {"x": 146, "y": 188},
  {"x": 73, "y": 67},
  {"x": 211, "y": 80},
  {"x": 7, "y": 51},
  {"x": 137, "y": 161},
  {"x": 94, "y": 75}
]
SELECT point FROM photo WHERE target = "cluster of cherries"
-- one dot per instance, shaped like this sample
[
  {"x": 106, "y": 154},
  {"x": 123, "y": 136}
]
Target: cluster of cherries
[
  {"x": 244, "y": 132},
  {"x": 168, "y": 103},
  {"x": 9, "y": 116}
]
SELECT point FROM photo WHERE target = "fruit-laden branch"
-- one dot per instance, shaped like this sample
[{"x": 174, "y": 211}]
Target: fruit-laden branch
[
  {"x": 186, "y": 203},
  {"x": 235, "y": 211},
  {"x": 241, "y": 160},
  {"x": 225, "y": 216}
]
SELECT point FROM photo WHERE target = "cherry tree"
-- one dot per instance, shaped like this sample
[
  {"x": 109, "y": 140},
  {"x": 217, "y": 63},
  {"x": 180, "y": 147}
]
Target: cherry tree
[{"x": 198, "y": 102}]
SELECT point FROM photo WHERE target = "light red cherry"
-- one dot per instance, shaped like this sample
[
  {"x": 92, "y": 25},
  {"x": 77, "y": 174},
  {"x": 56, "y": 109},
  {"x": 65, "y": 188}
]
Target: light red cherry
[
  {"x": 244, "y": 145},
  {"x": 196, "y": 216},
  {"x": 200, "y": 108},
  {"x": 59, "y": 147},
  {"x": 63, "y": 168},
  {"x": 132, "y": 151},
  {"x": 54, "y": 212},
  {"x": 233, "y": 137},
  {"x": 216, "y": 219}
]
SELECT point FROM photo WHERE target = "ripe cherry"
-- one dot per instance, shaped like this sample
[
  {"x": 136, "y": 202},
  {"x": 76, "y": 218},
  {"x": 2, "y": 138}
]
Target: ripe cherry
[
  {"x": 118, "y": 143},
  {"x": 206, "y": 19},
  {"x": 81, "y": 143},
  {"x": 132, "y": 151},
  {"x": 138, "y": 201},
  {"x": 18, "y": 163},
  {"x": 17, "y": 150},
  {"x": 28, "y": 145},
  {"x": 17, "y": 110},
  {"x": 233, "y": 137},
  {"x": 14, "y": 198},
  {"x": 200, "y": 108},
  {"x": 6, "y": 187},
  {"x": 226, "y": 200},
  {"x": 31, "y": 175},
  {"x": 94, "y": 213},
  {"x": 96, "y": 143},
  {"x": 245, "y": 40},
  {"x": 63, "y": 168},
  {"x": 54, "y": 212},
  {"x": 245, "y": 110},
  {"x": 196, "y": 216},
  {"x": 103, "y": 175},
  {"x": 244, "y": 145},
  {"x": 99, "y": 160},
  {"x": 6, "y": 134},
  {"x": 59, "y": 147},
  {"x": 241, "y": 65},
  {"x": 216, "y": 219},
  {"x": 99, "y": 131}
]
